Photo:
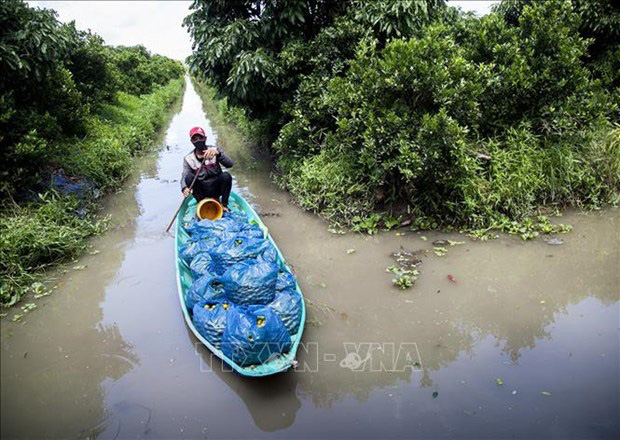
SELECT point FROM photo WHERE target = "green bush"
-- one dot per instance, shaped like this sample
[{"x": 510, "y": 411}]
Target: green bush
[
  {"x": 140, "y": 72},
  {"x": 468, "y": 123},
  {"x": 67, "y": 101},
  {"x": 49, "y": 230},
  {"x": 93, "y": 70},
  {"x": 116, "y": 134},
  {"x": 277, "y": 43},
  {"x": 376, "y": 107},
  {"x": 53, "y": 77},
  {"x": 38, "y": 96},
  {"x": 328, "y": 184}
]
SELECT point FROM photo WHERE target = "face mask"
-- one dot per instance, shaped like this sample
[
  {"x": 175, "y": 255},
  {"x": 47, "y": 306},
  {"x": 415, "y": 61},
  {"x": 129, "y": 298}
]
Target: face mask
[{"x": 200, "y": 145}]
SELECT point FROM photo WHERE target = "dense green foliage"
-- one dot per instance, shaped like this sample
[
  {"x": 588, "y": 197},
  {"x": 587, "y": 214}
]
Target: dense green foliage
[
  {"x": 48, "y": 229},
  {"x": 70, "y": 106},
  {"x": 52, "y": 76},
  {"x": 413, "y": 107},
  {"x": 257, "y": 52}
]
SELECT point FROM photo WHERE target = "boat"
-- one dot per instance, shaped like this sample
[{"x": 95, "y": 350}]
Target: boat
[{"x": 185, "y": 278}]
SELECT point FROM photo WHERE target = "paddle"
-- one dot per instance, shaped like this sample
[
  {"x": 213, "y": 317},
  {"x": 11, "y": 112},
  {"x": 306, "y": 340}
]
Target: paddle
[{"x": 183, "y": 201}]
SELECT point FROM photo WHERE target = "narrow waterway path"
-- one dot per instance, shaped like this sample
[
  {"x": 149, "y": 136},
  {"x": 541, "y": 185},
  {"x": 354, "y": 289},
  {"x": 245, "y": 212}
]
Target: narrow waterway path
[{"x": 521, "y": 341}]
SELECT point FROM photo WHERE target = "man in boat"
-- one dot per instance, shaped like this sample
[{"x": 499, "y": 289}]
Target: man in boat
[{"x": 206, "y": 160}]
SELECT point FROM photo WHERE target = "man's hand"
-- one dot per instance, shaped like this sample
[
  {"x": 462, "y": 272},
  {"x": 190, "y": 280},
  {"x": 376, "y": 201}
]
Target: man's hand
[
  {"x": 211, "y": 153},
  {"x": 185, "y": 192}
]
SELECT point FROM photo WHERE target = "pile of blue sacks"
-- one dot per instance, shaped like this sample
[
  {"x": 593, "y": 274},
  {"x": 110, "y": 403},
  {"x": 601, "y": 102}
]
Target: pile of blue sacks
[{"x": 242, "y": 300}]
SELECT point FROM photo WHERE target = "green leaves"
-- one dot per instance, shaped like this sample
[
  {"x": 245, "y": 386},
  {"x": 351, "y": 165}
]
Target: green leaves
[
  {"x": 53, "y": 77},
  {"x": 378, "y": 106},
  {"x": 396, "y": 18},
  {"x": 33, "y": 236},
  {"x": 244, "y": 43},
  {"x": 251, "y": 72},
  {"x": 32, "y": 41}
]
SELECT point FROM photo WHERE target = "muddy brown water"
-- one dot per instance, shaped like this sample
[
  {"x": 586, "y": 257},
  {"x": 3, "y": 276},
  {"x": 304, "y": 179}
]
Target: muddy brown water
[{"x": 524, "y": 344}]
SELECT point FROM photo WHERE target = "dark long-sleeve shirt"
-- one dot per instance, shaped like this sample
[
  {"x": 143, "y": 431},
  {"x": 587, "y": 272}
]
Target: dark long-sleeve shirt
[{"x": 191, "y": 164}]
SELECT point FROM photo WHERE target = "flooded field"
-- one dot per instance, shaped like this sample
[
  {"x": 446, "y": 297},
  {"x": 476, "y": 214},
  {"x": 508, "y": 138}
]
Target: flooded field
[{"x": 496, "y": 339}]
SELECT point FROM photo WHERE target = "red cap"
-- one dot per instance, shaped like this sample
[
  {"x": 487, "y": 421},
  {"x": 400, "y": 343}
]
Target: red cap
[{"x": 196, "y": 130}]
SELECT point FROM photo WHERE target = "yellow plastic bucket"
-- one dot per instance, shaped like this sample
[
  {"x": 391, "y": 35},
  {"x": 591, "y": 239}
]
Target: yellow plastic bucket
[{"x": 209, "y": 209}]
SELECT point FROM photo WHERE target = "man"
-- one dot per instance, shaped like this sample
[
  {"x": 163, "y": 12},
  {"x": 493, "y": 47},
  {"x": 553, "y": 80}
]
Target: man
[{"x": 211, "y": 181}]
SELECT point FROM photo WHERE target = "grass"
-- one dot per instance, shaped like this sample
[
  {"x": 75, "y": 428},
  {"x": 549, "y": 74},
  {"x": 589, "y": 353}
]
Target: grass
[
  {"x": 37, "y": 235},
  {"x": 118, "y": 133},
  {"x": 54, "y": 228}
]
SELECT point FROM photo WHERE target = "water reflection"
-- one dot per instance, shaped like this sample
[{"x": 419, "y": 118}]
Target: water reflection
[
  {"x": 54, "y": 365},
  {"x": 271, "y": 401}
]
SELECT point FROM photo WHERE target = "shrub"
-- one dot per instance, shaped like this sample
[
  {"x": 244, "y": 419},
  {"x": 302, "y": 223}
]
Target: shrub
[
  {"x": 328, "y": 184},
  {"x": 53, "y": 228},
  {"x": 464, "y": 124},
  {"x": 53, "y": 77},
  {"x": 140, "y": 72},
  {"x": 459, "y": 120},
  {"x": 118, "y": 133}
]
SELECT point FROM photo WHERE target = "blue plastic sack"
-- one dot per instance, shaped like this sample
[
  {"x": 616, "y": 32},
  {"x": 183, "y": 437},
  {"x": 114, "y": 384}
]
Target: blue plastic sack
[
  {"x": 286, "y": 280},
  {"x": 204, "y": 288},
  {"x": 209, "y": 318},
  {"x": 187, "y": 246},
  {"x": 188, "y": 225},
  {"x": 79, "y": 187},
  {"x": 287, "y": 304},
  {"x": 238, "y": 216},
  {"x": 240, "y": 248},
  {"x": 250, "y": 282},
  {"x": 202, "y": 264},
  {"x": 252, "y": 232},
  {"x": 217, "y": 227},
  {"x": 196, "y": 245},
  {"x": 270, "y": 254},
  {"x": 253, "y": 335}
]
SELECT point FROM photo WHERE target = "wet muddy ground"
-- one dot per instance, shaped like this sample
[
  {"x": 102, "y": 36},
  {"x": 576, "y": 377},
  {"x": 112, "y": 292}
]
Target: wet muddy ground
[{"x": 503, "y": 338}]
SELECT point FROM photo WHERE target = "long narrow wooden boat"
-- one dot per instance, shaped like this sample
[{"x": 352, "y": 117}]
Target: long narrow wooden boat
[{"x": 185, "y": 279}]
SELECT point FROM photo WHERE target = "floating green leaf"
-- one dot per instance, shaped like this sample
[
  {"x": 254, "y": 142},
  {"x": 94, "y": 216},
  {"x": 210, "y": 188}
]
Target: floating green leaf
[{"x": 440, "y": 251}]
